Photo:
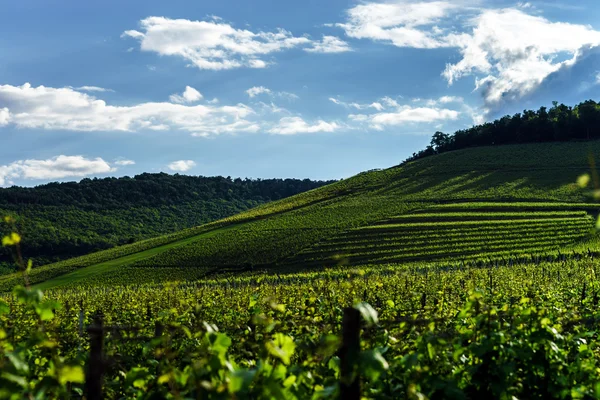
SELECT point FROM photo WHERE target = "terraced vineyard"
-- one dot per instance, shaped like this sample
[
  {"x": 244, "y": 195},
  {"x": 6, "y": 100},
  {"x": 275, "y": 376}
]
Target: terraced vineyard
[
  {"x": 456, "y": 231},
  {"x": 477, "y": 203}
]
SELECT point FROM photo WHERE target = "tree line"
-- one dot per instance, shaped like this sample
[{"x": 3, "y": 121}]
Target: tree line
[{"x": 558, "y": 124}]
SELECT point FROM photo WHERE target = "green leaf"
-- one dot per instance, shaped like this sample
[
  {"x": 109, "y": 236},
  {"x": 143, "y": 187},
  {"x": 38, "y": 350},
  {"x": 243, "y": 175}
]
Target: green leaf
[
  {"x": 240, "y": 380},
  {"x": 4, "y": 308},
  {"x": 72, "y": 374},
  {"x": 220, "y": 343},
  {"x": 19, "y": 380},
  {"x": 373, "y": 364},
  {"x": 368, "y": 313},
  {"x": 583, "y": 180},
  {"x": 282, "y": 347},
  {"x": 11, "y": 240},
  {"x": 17, "y": 362},
  {"x": 430, "y": 351}
]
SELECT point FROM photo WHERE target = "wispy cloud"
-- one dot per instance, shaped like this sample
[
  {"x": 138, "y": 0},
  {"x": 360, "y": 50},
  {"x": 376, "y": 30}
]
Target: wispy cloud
[
  {"x": 256, "y": 90},
  {"x": 329, "y": 44},
  {"x": 295, "y": 125},
  {"x": 376, "y": 104},
  {"x": 261, "y": 90},
  {"x": 91, "y": 89},
  {"x": 124, "y": 162}
]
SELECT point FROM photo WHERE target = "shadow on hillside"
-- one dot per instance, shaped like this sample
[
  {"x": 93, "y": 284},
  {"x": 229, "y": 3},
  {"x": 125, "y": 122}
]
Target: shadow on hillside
[{"x": 440, "y": 182}]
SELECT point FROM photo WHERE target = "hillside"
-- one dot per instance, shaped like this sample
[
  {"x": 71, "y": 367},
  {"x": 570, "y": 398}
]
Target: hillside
[
  {"x": 64, "y": 220},
  {"x": 526, "y": 191}
]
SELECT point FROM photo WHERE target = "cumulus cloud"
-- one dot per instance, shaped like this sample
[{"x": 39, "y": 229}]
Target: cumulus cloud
[
  {"x": 329, "y": 44},
  {"x": 294, "y": 125},
  {"x": 511, "y": 52},
  {"x": 402, "y": 23},
  {"x": 124, "y": 162},
  {"x": 189, "y": 95},
  {"x": 54, "y": 168},
  {"x": 181, "y": 165},
  {"x": 67, "y": 109},
  {"x": 4, "y": 116},
  {"x": 213, "y": 44}
]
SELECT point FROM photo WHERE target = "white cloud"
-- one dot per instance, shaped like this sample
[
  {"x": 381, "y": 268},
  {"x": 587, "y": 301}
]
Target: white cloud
[
  {"x": 54, "y": 168},
  {"x": 515, "y": 52},
  {"x": 388, "y": 101},
  {"x": 92, "y": 89},
  {"x": 597, "y": 82},
  {"x": 189, "y": 95},
  {"x": 407, "y": 114},
  {"x": 66, "y": 109},
  {"x": 256, "y": 90},
  {"x": 377, "y": 105},
  {"x": 4, "y": 116},
  {"x": 294, "y": 125},
  {"x": 510, "y": 51},
  {"x": 181, "y": 165},
  {"x": 450, "y": 99},
  {"x": 287, "y": 95},
  {"x": 272, "y": 108},
  {"x": 125, "y": 162},
  {"x": 329, "y": 44},
  {"x": 387, "y": 112},
  {"x": 213, "y": 45},
  {"x": 402, "y": 23}
]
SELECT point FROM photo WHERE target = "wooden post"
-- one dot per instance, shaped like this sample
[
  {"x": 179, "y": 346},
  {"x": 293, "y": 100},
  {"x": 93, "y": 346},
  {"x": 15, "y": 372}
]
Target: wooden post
[
  {"x": 95, "y": 368},
  {"x": 349, "y": 352},
  {"x": 158, "y": 329}
]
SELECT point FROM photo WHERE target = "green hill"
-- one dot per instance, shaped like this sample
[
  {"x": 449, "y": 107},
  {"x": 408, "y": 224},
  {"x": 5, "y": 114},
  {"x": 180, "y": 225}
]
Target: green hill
[
  {"x": 65, "y": 220},
  {"x": 477, "y": 203}
]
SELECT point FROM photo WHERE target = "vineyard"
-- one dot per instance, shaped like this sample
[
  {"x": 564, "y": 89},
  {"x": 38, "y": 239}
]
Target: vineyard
[
  {"x": 281, "y": 235},
  {"x": 465, "y": 282},
  {"x": 524, "y": 330},
  {"x": 456, "y": 231}
]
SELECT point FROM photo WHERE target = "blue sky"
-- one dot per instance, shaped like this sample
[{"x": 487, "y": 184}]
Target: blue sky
[{"x": 317, "y": 89}]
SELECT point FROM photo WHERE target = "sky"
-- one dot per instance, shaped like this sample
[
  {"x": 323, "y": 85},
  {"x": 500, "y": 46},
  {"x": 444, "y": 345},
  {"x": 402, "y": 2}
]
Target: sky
[{"x": 272, "y": 89}]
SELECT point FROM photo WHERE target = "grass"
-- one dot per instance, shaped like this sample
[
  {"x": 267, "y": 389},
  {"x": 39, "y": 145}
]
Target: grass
[
  {"x": 520, "y": 181},
  {"x": 109, "y": 266}
]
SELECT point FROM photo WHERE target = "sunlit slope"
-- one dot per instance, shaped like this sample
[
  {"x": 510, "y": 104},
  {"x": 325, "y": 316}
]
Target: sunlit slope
[{"x": 270, "y": 235}]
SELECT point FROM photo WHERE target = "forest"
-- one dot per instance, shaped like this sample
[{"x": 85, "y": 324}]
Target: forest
[
  {"x": 560, "y": 123},
  {"x": 64, "y": 220}
]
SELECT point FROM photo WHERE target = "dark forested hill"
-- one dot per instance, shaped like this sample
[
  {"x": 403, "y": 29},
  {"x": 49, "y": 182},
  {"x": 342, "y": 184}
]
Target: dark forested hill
[{"x": 62, "y": 220}]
